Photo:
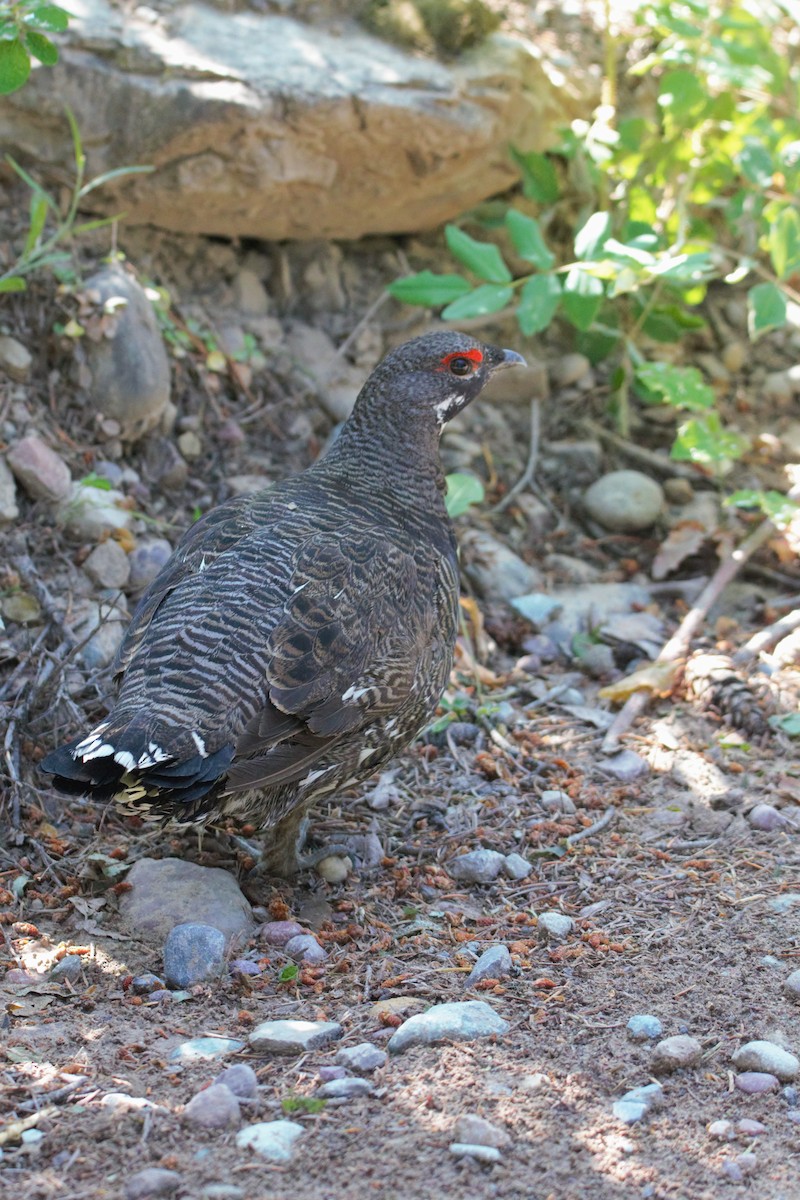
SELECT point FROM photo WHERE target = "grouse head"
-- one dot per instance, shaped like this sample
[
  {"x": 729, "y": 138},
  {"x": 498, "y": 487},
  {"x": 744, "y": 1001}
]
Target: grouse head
[{"x": 431, "y": 378}]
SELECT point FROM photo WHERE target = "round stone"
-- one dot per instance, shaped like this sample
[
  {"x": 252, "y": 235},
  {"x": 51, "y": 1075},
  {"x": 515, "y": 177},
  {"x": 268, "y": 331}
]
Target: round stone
[{"x": 624, "y": 501}]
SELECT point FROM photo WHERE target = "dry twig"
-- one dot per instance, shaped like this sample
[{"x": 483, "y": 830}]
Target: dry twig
[{"x": 767, "y": 638}]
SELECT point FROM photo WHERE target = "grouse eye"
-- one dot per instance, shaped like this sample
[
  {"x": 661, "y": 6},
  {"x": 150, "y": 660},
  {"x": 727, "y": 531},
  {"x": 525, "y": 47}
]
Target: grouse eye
[{"x": 460, "y": 365}]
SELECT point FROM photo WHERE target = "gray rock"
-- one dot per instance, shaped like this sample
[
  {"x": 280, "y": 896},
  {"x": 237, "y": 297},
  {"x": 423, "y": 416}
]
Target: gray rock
[
  {"x": 495, "y": 572},
  {"x": 767, "y": 1057},
  {"x": 305, "y": 948},
  {"x": 749, "y": 1127},
  {"x": 754, "y": 1083},
  {"x": 625, "y": 766},
  {"x": 15, "y": 359},
  {"x": 278, "y": 933},
  {"x": 326, "y": 1074},
  {"x": 580, "y": 605},
  {"x": 103, "y": 625},
  {"x": 153, "y": 1181},
  {"x": 215, "y": 1107},
  {"x": 625, "y": 501},
  {"x": 494, "y": 963},
  {"x": 192, "y": 954},
  {"x": 722, "y": 1130},
  {"x": 241, "y": 1079},
  {"x": 9, "y": 510},
  {"x": 39, "y": 470},
  {"x": 363, "y": 1058},
  {"x": 204, "y": 1049},
  {"x": 572, "y": 570},
  {"x": 484, "y": 1154},
  {"x": 249, "y": 294},
  {"x": 791, "y": 986},
  {"x": 557, "y": 801},
  {"x": 107, "y": 566},
  {"x": 293, "y": 1036},
  {"x": 88, "y": 512},
  {"x": 516, "y": 867},
  {"x": 674, "y": 1053},
  {"x": 148, "y": 982},
  {"x": 130, "y": 373},
  {"x": 165, "y": 466},
  {"x": 642, "y": 1026},
  {"x": 168, "y": 891},
  {"x": 639, "y": 1101},
  {"x": 478, "y": 866},
  {"x": 222, "y": 1191},
  {"x": 569, "y": 369},
  {"x": 273, "y": 1140},
  {"x": 70, "y": 967},
  {"x": 459, "y": 1021},
  {"x": 336, "y": 381},
  {"x": 190, "y": 445},
  {"x": 145, "y": 561},
  {"x": 766, "y": 818},
  {"x": 344, "y": 1089},
  {"x": 555, "y": 925},
  {"x": 477, "y": 1131}
]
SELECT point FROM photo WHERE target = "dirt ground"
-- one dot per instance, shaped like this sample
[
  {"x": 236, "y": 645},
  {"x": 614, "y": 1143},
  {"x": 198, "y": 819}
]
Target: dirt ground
[{"x": 672, "y": 895}]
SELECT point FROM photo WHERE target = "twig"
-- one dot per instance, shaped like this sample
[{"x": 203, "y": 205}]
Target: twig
[
  {"x": 640, "y": 454},
  {"x": 367, "y": 317},
  {"x": 527, "y": 475},
  {"x": 765, "y": 639},
  {"x": 600, "y": 823},
  {"x": 678, "y": 645}
]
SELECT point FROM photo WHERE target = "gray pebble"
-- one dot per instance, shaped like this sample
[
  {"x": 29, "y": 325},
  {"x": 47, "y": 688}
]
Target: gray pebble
[
  {"x": 202, "y": 1049},
  {"x": 363, "y": 1058},
  {"x": 192, "y": 954},
  {"x": 790, "y": 1094},
  {"x": 344, "y": 1089},
  {"x": 477, "y": 1131},
  {"x": 722, "y": 1130},
  {"x": 142, "y": 984},
  {"x": 240, "y": 1079},
  {"x": 478, "y": 866},
  {"x": 494, "y": 963},
  {"x": 554, "y": 925},
  {"x": 243, "y": 966},
  {"x": 9, "y": 509},
  {"x": 222, "y": 1191},
  {"x": 643, "y": 1026},
  {"x": 458, "y": 1021},
  {"x": 484, "y": 1154},
  {"x": 626, "y": 766},
  {"x": 305, "y": 948},
  {"x": 570, "y": 369},
  {"x": 750, "y": 1128},
  {"x": 326, "y": 1074},
  {"x": 278, "y": 933},
  {"x": 753, "y": 1083},
  {"x": 791, "y": 986},
  {"x": 556, "y": 801},
  {"x": 766, "y": 1057},
  {"x": 215, "y": 1107},
  {"x": 675, "y": 1053},
  {"x": 516, "y": 867},
  {"x": 293, "y": 1036},
  {"x": 153, "y": 1181},
  {"x": 624, "y": 501},
  {"x": 766, "y": 818},
  {"x": 273, "y": 1140},
  {"x": 145, "y": 561},
  {"x": 70, "y": 967},
  {"x": 107, "y": 566},
  {"x": 639, "y": 1101},
  {"x": 769, "y": 960}
]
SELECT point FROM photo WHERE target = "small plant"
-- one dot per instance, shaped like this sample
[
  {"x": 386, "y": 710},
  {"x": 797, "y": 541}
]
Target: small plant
[
  {"x": 24, "y": 29},
  {"x": 302, "y": 1104}
]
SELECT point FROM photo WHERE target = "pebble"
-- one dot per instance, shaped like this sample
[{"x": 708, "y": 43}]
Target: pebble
[
  {"x": 306, "y": 948},
  {"x": 107, "y": 566},
  {"x": 626, "y": 766},
  {"x": 145, "y": 561},
  {"x": 678, "y": 491},
  {"x": 153, "y": 1181},
  {"x": 249, "y": 294},
  {"x": 675, "y": 1053},
  {"x": 555, "y": 801},
  {"x": 240, "y": 1079},
  {"x": 777, "y": 386},
  {"x": 750, "y": 1128},
  {"x": 639, "y": 1101},
  {"x": 39, "y": 470},
  {"x": 516, "y": 867},
  {"x": 643, "y": 1026},
  {"x": 243, "y": 966},
  {"x": 458, "y": 1021},
  {"x": 478, "y": 866},
  {"x": 790, "y": 1095},
  {"x": 344, "y": 1089},
  {"x": 484, "y": 1154},
  {"x": 477, "y": 1131},
  {"x": 722, "y": 1130},
  {"x": 203, "y": 1049},
  {"x": 624, "y": 501},
  {"x": 89, "y": 512},
  {"x": 193, "y": 953},
  {"x": 15, "y": 359},
  {"x": 494, "y": 963},
  {"x": 278, "y": 933},
  {"x": 555, "y": 925},
  {"x": 753, "y": 1083},
  {"x": 495, "y": 571},
  {"x": 271, "y": 1139},
  {"x": 326, "y": 1074},
  {"x": 363, "y": 1058},
  {"x": 166, "y": 892},
  {"x": 734, "y": 356},
  {"x": 9, "y": 509},
  {"x": 121, "y": 1102},
  {"x": 334, "y": 868},
  {"x": 767, "y": 1057},
  {"x": 791, "y": 986},
  {"x": 222, "y": 1191},
  {"x": 570, "y": 369},
  {"x": 293, "y": 1036},
  {"x": 215, "y": 1107},
  {"x": 70, "y": 967},
  {"x": 766, "y": 818}
]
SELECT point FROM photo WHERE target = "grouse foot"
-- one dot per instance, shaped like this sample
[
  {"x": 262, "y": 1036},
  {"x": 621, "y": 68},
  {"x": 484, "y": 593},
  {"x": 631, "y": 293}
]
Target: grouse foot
[{"x": 283, "y": 857}]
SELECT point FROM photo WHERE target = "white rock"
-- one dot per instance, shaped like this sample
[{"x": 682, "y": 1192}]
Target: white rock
[
  {"x": 484, "y": 1154},
  {"x": 516, "y": 867},
  {"x": 89, "y": 512},
  {"x": 636, "y": 1103},
  {"x": 557, "y": 801},
  {"x": 107, "y": 566},
  {"x": 625, "y": 501},
  {"x": 768, "y": 1058},
  {"x": 457, "y": 1021},
  {"x": 9, "y": 510},
  {"x": 478, "y": 866},
  {"x": 305, "y": 948},
  {"x": 555, "y": 925},
  {"x": 344, "y": 1089},
  {"x": 271, "y": 1139},
  {"x": 205, "y": 1049},
  {"x": 477, "y": 1131},
  {"x": 293, "y": 1036},
  {"x": 363, "y": 1058}
]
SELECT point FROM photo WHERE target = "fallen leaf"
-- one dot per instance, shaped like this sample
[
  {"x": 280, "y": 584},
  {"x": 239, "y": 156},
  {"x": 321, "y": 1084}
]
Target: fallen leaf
[
  {"x": 684, "y": 540},
  {"x": 658, "y": 678}
]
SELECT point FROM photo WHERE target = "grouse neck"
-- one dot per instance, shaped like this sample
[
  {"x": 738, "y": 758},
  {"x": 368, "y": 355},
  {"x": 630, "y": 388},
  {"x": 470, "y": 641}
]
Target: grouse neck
[{"x": 404, "y": 452}]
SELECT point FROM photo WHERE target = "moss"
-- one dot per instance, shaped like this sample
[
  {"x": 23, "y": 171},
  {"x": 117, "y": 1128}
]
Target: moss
[{"x": 445, "y": 27}]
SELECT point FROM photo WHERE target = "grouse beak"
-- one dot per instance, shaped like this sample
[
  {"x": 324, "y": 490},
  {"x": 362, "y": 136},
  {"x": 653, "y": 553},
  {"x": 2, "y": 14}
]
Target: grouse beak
[{"x": 510, "y": 359}]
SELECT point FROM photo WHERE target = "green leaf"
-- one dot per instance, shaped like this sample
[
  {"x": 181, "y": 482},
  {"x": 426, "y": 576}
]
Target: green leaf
[
  {"x": 756, "y": 164},
  {"x": 429, "y": 289},
  {"x": 38, "y": 217},
  {"x": 528, "y": 241},
  {"x": 789, "y": 723},
  {"x": 682, "y": 93},
  {"x": 784, "y": 242},
  {"x": 12, "y": 283},
  {"x": 15, "y": 66},
  {"x": 582, "y": 297},
  {"x": 41, "y": 47},
  {"x": 462, "y": 492},
  {"x": 538, "y": 302},
  {"x": 117, "y": 173},
  {"x": 669, "y": 323},
  {"x": 487, "y": 299},
  {"x": 592, "y": 234},
  {"x": 289, "y": 972},
  {"x": 682, "y": 387},
  {"x": 780, "y": 509},
  {"x": 702, "y": 440},
  {"x": 482, "y": 258},
  {"x": 48, "y": 17},
  {"x": 766, "y": 309},
  {"x": 539, "y": 179}
]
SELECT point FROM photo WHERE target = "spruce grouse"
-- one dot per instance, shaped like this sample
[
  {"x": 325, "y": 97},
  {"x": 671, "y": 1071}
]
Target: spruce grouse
[{"x": 301, "y": 636}]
